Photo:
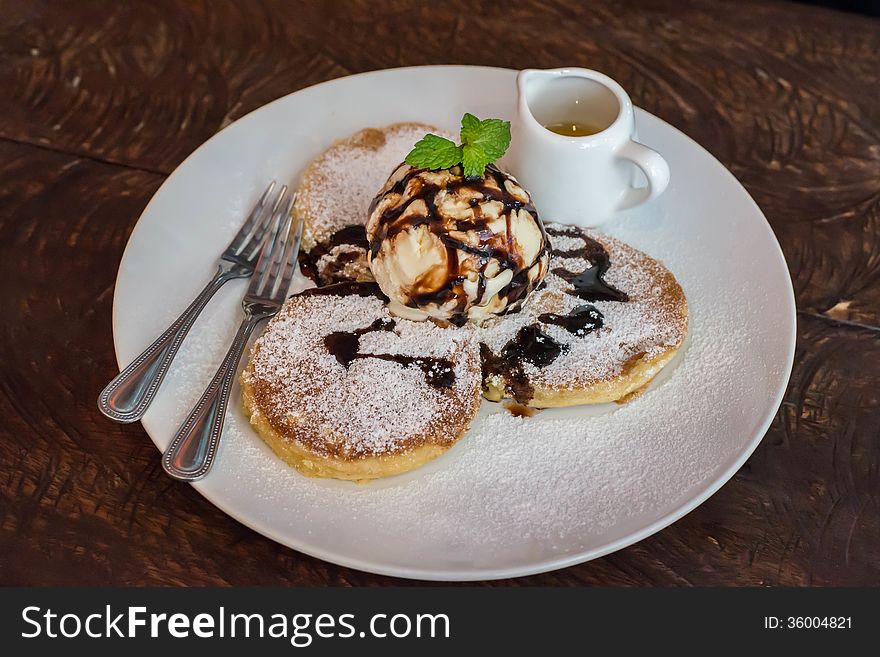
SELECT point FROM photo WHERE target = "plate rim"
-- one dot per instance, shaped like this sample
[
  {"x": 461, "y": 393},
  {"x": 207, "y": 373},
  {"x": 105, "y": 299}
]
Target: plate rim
[{"x": 547, "y": 565}]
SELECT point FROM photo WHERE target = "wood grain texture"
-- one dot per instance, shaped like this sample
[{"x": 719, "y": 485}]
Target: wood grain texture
[
  {"x": 146, "y": 83},
  {"x": 103, "y": 99}
]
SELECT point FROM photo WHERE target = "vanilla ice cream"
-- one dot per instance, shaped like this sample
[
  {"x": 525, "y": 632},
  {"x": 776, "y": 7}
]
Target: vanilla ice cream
[{"x": 455, "y": 248}]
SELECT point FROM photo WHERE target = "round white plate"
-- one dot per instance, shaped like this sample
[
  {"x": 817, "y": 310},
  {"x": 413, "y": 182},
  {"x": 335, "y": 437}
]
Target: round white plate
[{"x": 517, "y": 495}]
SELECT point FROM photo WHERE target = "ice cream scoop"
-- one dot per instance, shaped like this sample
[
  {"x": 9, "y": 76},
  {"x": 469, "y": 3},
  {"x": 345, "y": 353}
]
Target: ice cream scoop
[{"x": 454, "y": 248}]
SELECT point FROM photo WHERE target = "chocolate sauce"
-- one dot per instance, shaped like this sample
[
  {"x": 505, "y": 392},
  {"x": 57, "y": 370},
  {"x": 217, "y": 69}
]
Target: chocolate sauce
[
  {"x": 530, "y": 345},
  {"x": 353, "y": 236},
  {"x": 439, "y": 372},
  {"x": 347, "y": 288},
  {"x": 499, "y": 247},
  {"x": 481, "y": 284},
  {"x": 307, "y": 267},
  {"x": 589, "y": 284},
  {"x": 579, "y": 321},
  {"x": 483, "y": 252},
  {"x": 345, "y": 345}
]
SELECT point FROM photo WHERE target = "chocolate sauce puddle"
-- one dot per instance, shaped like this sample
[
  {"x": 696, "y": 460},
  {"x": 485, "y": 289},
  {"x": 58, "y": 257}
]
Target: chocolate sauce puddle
[
  {"x": 345, "y": 345},
  {"x": 347, "y": 288},
  {"x": 589, "y": 284},
  {"x": 579, "y": 321},
  {"x": 354, "y": 236},
  {"x": 530, "y": 345}
]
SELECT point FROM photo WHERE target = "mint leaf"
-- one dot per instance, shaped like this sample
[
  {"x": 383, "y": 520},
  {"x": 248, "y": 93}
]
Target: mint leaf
[
  {"x": 470, "y": 128},
  {"x": 474, "y": 160},
  {"x": 492, "y": 135},
  {"x": 433, "y": 152},
  {"x": 482, "y": 142}
]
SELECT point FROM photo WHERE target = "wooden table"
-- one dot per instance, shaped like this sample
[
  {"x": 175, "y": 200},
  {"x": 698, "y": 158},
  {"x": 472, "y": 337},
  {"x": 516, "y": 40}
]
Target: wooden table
[{"x": 102, "y": 100}]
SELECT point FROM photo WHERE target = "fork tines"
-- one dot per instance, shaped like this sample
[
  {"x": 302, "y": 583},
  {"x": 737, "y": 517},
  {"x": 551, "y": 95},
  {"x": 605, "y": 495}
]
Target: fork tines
[{"x": 277, "y": 262}]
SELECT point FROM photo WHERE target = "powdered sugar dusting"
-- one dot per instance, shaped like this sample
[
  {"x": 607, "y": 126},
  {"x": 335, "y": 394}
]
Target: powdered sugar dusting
[{"x": 563, "y": 242}]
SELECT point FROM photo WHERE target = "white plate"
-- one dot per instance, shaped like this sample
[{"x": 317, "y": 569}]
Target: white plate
[{"x": 515, "y": 496}]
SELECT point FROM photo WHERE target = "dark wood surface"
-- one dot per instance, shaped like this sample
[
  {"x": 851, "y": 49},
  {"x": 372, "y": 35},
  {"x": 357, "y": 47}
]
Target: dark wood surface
[{"x": 101, "y": 100}]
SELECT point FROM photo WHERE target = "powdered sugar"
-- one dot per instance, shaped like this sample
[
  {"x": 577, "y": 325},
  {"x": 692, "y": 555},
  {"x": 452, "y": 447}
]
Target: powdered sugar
[
  {"x": 562, "y": 242},
  {"x": 555, "y": 480}
]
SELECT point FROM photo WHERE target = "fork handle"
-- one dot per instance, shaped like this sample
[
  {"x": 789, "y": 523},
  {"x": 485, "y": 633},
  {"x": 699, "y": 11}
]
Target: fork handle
[
  {"x": 127, "y": 397},
  {"x": 194, "y": 446}
]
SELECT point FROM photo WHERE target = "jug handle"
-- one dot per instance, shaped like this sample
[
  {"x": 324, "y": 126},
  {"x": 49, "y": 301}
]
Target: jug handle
[{"x": 654, "y": 167}]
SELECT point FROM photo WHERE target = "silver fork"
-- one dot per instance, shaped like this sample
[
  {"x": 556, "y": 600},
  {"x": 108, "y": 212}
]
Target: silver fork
[
  {"x": 127, "y": 397},
  {"x": 192, "y": 450}
]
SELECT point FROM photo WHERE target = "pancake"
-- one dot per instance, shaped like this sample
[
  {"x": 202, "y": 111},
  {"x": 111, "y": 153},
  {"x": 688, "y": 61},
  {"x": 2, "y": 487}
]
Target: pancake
[
  {"x": 334, "y": 195},
  {"x": 339, "y": 388},
  {"x": 607, "y": 320}
]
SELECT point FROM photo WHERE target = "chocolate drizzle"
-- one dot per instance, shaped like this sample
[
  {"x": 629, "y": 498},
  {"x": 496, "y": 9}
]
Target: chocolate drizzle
[
  {"x": 442, "y": 287},
  {"x": 589, "y": 284},
  {"x": 352, "y": 236},
  {"x": 579, "y": 321},
  {"x": 347, "y": 288},
  {"x": 345, "y": 346},
  {"x": 439, "y": 372},
  {"x": 530, "y": 345}
]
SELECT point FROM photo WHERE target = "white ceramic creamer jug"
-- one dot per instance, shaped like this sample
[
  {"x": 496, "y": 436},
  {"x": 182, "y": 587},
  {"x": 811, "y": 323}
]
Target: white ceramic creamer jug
[{"x": 579, "y": 170}]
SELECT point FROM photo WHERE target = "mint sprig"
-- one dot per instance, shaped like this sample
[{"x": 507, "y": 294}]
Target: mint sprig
[
  {"x": 433, "y": 152},
  {"x": 482, "y": 143}
]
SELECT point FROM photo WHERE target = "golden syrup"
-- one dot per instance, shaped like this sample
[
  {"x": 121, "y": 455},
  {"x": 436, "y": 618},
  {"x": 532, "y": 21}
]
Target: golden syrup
[{"x": 573, "y": 129}]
